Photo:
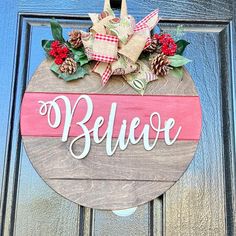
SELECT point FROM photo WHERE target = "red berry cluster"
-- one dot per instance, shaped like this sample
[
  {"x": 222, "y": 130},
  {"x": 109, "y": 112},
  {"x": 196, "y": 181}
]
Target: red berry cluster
[
  {"x": 59, "y": 52},
  {"x": 168, "y": 45}
]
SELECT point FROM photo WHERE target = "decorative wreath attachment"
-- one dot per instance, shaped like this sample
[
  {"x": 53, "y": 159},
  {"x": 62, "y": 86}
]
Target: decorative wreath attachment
[{"x": 119, "y": 46}]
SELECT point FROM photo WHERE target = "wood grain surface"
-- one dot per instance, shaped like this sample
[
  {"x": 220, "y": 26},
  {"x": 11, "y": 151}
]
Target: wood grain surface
[
  {"x": 99, "y": 181},
  {"x": 45, "y": 81},
  {"x": 164, "y": 163},
  {"x": 109, "y": 194}
]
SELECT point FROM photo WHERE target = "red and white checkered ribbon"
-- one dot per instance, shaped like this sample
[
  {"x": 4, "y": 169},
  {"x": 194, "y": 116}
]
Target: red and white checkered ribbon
[
  {"x": 107, "y": 38},
  {"x": 148, "y": 43},
  {"x": 101, "y": 52},
  {"x": 142, "y": 25},
  {"x": 146, "y": 24},
  {"x": 107, "y": 73},
  {"x": 145, "y": 20},
  {"x": 98, "y": 57}
]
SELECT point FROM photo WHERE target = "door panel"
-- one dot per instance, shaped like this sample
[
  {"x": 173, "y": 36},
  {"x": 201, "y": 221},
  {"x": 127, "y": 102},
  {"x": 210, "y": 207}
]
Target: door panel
[
  {"x": 202, "y": 186},
  {"x": 6, "y": 61},
  {"x": 175, "y": 9},
  {"x": 200, "y": 203}
]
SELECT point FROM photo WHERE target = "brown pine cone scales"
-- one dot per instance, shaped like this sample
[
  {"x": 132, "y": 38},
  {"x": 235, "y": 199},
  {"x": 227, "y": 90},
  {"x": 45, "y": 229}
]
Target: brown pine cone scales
[
  {"x": 154, "y": 46},
  {"x": 160, "y": 65},
  {"x": 75, "y": 38},
  {"x": 68, "y": 66}
]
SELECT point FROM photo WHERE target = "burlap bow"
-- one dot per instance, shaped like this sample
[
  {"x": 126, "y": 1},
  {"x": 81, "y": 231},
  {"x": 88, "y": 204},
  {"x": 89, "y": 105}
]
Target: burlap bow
[{"x": 116, "y": 43}]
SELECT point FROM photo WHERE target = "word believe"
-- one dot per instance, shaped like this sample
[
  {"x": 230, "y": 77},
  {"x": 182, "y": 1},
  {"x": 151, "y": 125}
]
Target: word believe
[{"x": 53, "y": 110}]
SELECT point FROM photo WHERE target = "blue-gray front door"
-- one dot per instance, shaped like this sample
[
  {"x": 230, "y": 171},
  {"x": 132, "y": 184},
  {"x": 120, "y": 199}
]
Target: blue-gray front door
[{"x": 201, "y": 203}]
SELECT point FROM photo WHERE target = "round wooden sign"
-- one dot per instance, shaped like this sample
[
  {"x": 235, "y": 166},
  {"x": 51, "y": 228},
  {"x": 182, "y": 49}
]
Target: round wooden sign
[{"x": 108, "y": 147}]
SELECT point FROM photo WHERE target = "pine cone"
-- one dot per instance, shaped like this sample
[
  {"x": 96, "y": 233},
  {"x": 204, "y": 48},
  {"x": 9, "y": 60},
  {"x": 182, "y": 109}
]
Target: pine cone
[
  {"x": 153, "y": 46},
  {"x": 75, "y": 38},
  {"x": 160, "y": 65},
  {"x": 68, "y": 66}
]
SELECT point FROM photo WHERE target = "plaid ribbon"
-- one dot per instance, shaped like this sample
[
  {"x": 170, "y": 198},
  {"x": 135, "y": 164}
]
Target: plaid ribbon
[
  {"x": 148, "y": 43},
  {"x": 143, "y": 24},
  {"x": 98, "y": 57},
  {"x": 146, "y": 19},
  {"x": 106, "y": 75},
  {"x": 105, "y": 48},
  {"x": 106, "y": 72},
  {"x": 141, "y": 27},
  {"x": 104, "y": 54},
  {"x": 106, "y": 38}
]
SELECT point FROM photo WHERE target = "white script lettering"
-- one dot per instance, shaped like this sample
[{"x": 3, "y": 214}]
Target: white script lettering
[{"x": 53, "y": 109}]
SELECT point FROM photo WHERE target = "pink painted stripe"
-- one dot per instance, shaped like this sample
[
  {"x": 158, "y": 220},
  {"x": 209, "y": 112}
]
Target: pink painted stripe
[{"x": 186, "y": 111}]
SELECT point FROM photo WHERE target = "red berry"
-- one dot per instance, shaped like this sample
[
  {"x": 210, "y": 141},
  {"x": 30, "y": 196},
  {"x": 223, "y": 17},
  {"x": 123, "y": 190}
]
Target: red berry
[
  {"x": 59, "y": 52},
  {"x": 65, "y": 50},
  {"x": 156, "y": 36},
  {"x": 58, "y": 61},
  {"x": 168, "y": 45},
  {"x": 63, "y": 55},
  {"x": 55, "y": 44},
  {"x": 52, "y": 52}
]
